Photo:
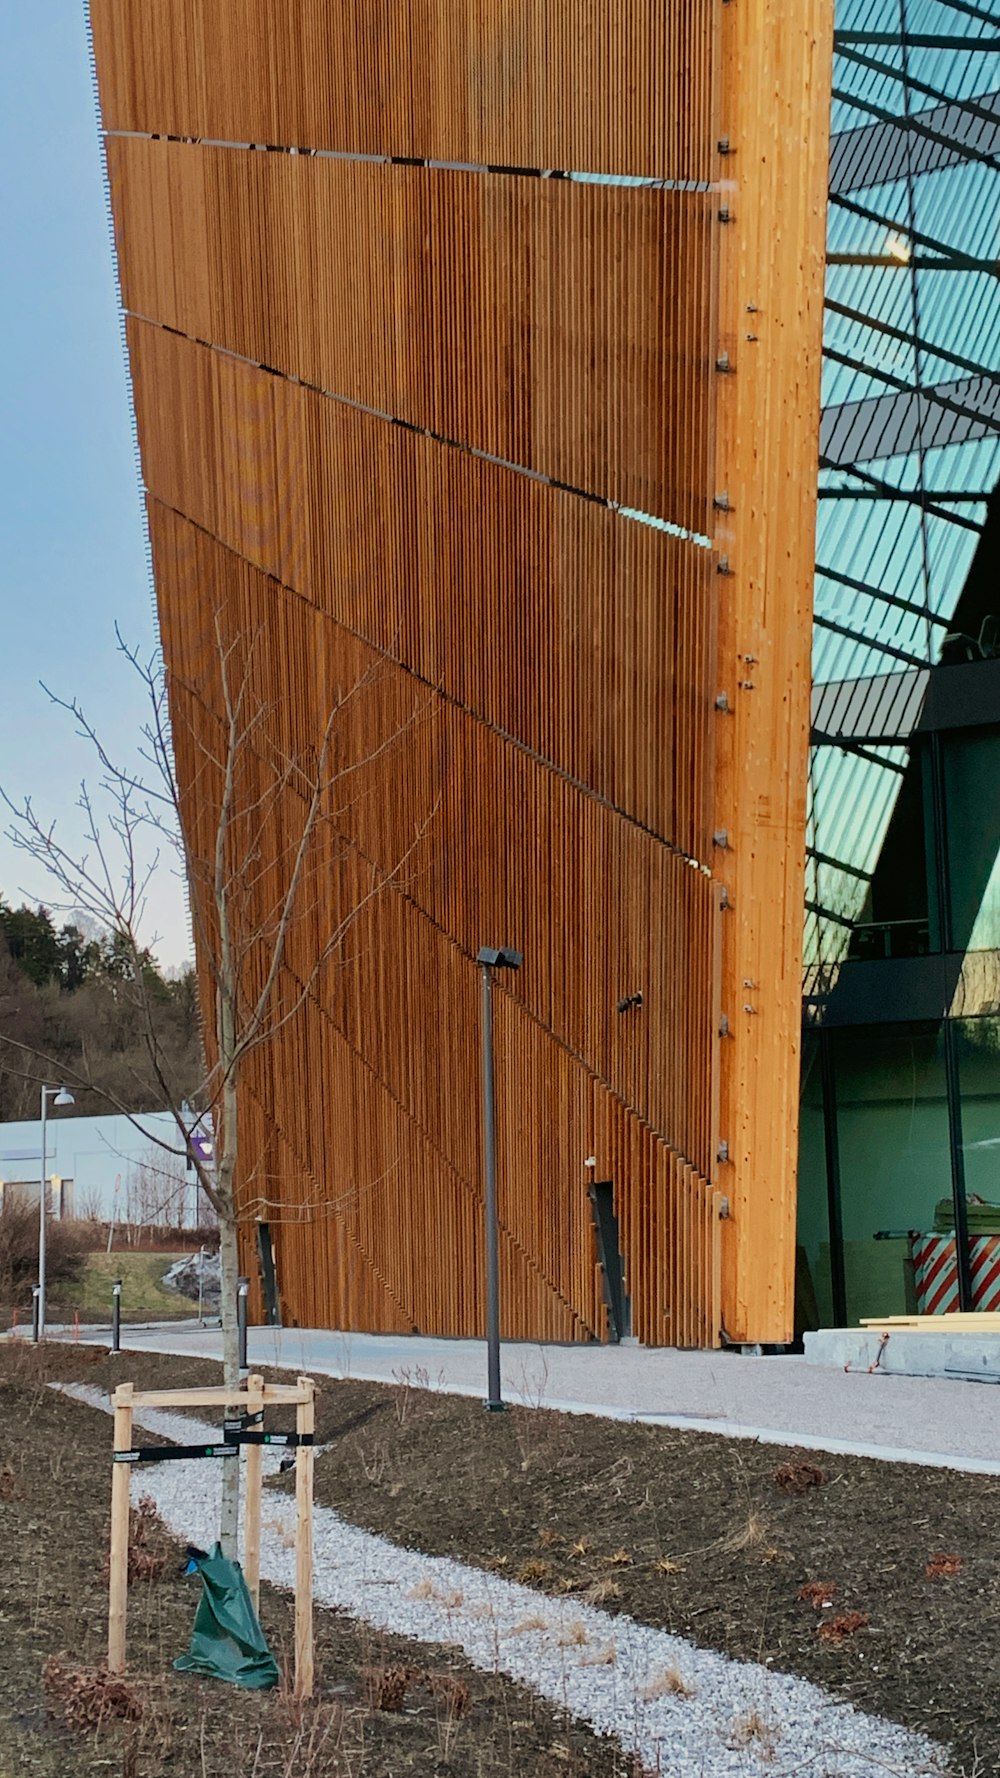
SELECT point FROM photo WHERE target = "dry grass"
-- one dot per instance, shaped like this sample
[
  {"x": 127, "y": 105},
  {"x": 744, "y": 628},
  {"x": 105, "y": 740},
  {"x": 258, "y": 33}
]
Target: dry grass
[
  {"x": 663, "y": 1565},
  {"x": 425, "y": 1589},
  {"x": 752, "y": 1537},
  {"x": 526, "y": 1626},
  {"x": 753, "y": 1730},
  {"x": 605, "y": 1657},
  {"x": 671, "y": 1683},
  {"x": 534, "y": 1570},
  {"x": 573, "y": 1635},
  {"x": 600, "y": 1591}
]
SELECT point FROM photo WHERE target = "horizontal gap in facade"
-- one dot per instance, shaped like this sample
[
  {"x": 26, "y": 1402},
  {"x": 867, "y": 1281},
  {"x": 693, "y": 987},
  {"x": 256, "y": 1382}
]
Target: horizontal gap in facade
[
  {"x": 452, "y": 444},
  {"x": 630, "y": 181},
  {"x": 447, "y": 697}
]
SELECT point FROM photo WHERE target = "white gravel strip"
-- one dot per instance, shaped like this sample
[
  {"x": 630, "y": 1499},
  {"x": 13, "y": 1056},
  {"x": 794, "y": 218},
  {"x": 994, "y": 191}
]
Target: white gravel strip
[{"x": 740, "y": 1719}]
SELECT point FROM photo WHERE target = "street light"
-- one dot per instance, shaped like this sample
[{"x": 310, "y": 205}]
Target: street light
[
  {"x": 490, "y": 959},
  {"x": 59, "y": 1096}
]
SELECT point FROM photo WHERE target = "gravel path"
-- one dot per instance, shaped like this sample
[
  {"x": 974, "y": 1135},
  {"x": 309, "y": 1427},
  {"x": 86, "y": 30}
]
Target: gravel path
[{"x": 725, "y": 1719}]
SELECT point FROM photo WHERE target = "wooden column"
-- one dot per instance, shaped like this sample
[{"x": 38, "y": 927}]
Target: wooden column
[
  {"x": 773, "y": 131},
  {"x": 121, "y": 1477},
  {"x": 305, "y": 1422}
]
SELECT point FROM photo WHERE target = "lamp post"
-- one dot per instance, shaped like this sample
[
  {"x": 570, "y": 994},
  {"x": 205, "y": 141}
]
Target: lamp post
[
  {"x": 59, "y": 1096},
  {"x": 488, "y": 960}
]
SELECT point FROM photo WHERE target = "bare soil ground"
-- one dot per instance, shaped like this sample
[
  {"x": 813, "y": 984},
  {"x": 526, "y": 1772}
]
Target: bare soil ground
[
  {"x": 753, "y": 1550},
  {"x": 54, "y": 1497}
]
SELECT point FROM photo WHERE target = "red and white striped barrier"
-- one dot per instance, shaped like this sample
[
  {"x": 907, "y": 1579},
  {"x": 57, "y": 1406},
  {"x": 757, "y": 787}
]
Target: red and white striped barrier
[{"x": 935, "y": 1267}]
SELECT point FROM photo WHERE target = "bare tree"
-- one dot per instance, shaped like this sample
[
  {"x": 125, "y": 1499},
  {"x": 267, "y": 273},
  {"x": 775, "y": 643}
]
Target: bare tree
[
  {"x": 252, "y": 830},
  {"x": 157, "y": 1191}
]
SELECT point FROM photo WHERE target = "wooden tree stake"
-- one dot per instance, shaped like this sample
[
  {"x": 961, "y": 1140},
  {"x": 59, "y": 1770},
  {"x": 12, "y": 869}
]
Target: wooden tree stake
[
  {"x": 258, "y": 1395},
  {"x": 121, "y": 1477},
  {"x": 255, "y": 1458},
  {"x": 305, "y": 1421}
]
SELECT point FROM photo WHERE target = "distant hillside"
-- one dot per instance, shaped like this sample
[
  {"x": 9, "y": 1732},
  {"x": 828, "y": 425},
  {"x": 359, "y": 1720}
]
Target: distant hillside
[{"x": 69, "y": 997}]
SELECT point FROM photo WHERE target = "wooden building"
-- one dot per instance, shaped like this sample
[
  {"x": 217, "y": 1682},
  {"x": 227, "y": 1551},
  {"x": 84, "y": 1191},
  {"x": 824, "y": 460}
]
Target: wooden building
[{"x": 475, "y": 354}]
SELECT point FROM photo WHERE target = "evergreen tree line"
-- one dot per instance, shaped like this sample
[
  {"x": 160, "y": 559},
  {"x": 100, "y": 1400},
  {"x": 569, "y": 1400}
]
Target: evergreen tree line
[{"x": 68, "y": 1002}]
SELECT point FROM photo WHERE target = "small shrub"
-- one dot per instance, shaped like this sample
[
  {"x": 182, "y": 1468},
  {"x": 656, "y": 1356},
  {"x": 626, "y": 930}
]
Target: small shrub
[
  {"x": 447, "y": 1690},
  {"x": 818, "y": 1593},
  {"x": 88, "y": 1696},
  {"x": 387, "y": 1687},
  {"x": 838, "y": 1629},
  {"x": 66, "y": 1248},
  {"x": 798, "y": 1478},
  {"x": 150, "y": 1544},
  {"x": 940, "y": 1566}
]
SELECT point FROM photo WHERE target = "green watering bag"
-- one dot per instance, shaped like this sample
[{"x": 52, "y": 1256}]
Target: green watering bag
[{"x": 227, "y": 1641}]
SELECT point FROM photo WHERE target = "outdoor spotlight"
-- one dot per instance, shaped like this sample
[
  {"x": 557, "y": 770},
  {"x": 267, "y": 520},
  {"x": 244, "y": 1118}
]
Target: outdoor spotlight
[{"x": 499, "y": 959}]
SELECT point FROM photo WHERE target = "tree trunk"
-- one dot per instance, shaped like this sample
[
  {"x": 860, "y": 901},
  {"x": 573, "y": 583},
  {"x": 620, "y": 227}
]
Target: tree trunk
[{"x": 229, "y": 1521}]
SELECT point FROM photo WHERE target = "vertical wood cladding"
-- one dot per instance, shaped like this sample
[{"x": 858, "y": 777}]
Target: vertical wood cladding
[
  {"x": 581, "y": 87},
  {"x": 555, "y": 325},
  {"x": 456, "y": 433},
  {"x": 528, "y": 640}
]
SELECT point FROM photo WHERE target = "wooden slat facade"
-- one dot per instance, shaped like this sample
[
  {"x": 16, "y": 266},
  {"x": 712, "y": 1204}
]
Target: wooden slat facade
[{"x": 529, "y": 458}]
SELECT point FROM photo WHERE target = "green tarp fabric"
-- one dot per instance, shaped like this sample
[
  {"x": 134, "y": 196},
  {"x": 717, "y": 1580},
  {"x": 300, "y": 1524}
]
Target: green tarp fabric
[{"x": 227, "y": 1641}]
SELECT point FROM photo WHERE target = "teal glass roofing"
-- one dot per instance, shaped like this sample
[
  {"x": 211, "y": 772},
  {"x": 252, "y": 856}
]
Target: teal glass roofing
[{"x": 910, "y": 441}]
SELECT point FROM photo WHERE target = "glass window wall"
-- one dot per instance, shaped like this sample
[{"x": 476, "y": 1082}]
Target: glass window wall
[{"x": 879, "y": 1153}]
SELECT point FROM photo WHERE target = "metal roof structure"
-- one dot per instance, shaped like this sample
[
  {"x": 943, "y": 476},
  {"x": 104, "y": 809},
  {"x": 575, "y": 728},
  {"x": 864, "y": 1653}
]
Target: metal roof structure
[{"x": 910, "y": 442}]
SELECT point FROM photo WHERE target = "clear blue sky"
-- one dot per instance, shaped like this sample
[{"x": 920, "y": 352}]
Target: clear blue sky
[{"x": 72, "y": 555}]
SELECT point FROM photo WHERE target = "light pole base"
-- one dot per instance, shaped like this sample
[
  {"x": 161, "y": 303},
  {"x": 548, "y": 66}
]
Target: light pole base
[{"x": 495, "y": 1407}]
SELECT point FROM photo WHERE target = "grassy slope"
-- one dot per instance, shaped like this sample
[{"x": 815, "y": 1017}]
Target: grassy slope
[{"x": 141, "y": 1289}]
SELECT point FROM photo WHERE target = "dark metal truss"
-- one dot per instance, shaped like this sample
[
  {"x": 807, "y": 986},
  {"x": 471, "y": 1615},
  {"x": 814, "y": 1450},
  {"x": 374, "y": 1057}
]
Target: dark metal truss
[{"x": 903, "y": 356}]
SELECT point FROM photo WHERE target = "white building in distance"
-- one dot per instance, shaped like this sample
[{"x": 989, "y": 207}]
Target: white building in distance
[{"x": 109, "y": 1168}]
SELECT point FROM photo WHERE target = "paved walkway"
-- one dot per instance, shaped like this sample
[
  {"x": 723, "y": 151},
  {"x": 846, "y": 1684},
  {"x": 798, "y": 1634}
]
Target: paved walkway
[{"x": 926, "y": 1420}]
